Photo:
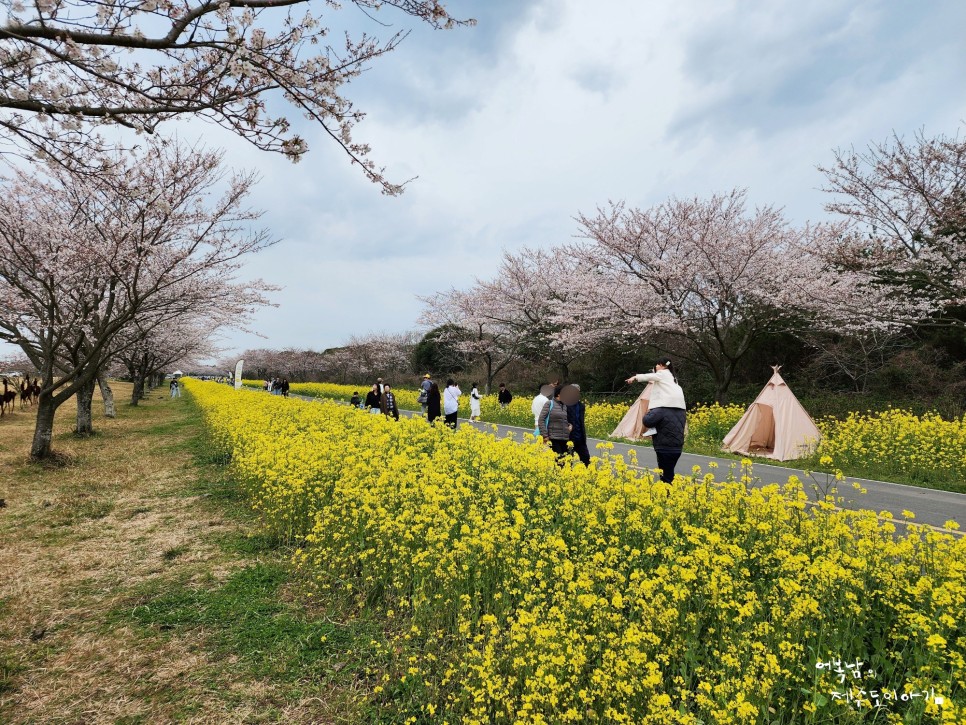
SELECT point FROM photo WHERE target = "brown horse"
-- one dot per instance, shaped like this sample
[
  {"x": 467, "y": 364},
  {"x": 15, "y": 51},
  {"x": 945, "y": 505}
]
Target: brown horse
[{"x": 6, "y": 400}]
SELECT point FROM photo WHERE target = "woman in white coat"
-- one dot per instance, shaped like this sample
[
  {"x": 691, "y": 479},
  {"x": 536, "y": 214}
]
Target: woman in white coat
[
  {"x": 666, "y": 413},
  {"x": 475, "y": 398},
  {"x": 666, "y": 393}
]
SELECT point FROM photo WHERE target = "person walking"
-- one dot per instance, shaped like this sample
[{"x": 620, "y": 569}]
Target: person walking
[
  {"x": 475, "y": 398},
  {"x": 372, "y": 399},
  {"x": 576, "y": 416},
  {"x": 433, "y": 403},
  {"x": 505, "y": 396},
  {"x": 666, "y": 416},
  {"x": 284, "y": 387},
  {"x": 543, "y": 395},
  {"x": 175, "y": 388},
  {"x": 387, "y": 402},
  {"x": 423, "y": 397},
  {"x": 451, "y": 402},
  {"x": 380, "y": 384},
  {"x": 355, "y": 401},
  {"x": 554, "y": 426}
]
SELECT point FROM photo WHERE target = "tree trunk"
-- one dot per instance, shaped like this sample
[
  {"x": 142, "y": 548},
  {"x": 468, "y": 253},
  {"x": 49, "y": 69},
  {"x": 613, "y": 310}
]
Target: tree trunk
[
  {"x": 489, "y": 374},
  {"x": 138, "y": 392},
  {"x": 108, "y": 395},
  {"x": 40, "y": 449},
  {"x": 85, "y": 401},
  {"x": 564, "y": 372}
]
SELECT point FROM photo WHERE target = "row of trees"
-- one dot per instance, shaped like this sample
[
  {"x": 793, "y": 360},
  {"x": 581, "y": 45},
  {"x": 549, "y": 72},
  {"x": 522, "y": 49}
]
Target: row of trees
[
  {"x": 133, "y": 266},
  {"x": 113, "y": 254},
  {"x": 707, "y": 280},
  {"x": 872, "y": 296}
]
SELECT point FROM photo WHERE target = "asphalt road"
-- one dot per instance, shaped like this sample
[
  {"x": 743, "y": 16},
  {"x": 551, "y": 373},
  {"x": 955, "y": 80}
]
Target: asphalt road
[{"x": 932, "y": 508}]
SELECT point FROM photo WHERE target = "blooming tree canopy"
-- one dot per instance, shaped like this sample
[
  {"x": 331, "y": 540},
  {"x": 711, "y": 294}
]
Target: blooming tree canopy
[
  {"x": 84, "y": 256},
  {"x": 479, "y": 336},
  {"x": 711, "y": 277},
  {"x": 72, "y": 65},
  {"x": 906, "y": 201}
]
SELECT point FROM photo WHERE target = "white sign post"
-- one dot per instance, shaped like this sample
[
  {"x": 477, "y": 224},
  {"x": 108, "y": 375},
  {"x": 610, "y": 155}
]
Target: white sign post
[{"x": 238, "y": 374}]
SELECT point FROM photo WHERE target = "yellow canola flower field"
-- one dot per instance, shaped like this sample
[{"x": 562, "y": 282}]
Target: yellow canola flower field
[
  {"x": 889, "y": 444},
  {"x": 707, "y": 424},
  {"x": 519, "y": 591},
  {"x": 923, "y": 448}
]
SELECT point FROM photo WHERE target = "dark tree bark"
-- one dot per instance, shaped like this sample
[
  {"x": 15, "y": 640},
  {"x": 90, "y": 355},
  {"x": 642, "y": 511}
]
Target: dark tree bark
[
  {"x": 40, "y": 448},
  {"x": 85, "y": 404}
]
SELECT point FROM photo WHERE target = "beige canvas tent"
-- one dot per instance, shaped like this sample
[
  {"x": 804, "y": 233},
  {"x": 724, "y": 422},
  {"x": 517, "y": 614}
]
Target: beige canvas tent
[
  {"x": 774, "y": 426},
  {"x": 631, "y": 425}
]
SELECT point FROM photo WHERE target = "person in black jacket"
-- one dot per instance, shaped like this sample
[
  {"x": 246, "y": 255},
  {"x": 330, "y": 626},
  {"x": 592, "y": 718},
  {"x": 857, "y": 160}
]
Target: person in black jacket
[
  {"x": 433, "y": 403},
  {"x": 373, "y": 399},
  {"x": 505, "y": 396},
  {"x": 669, "y": 439},
  {"x": 576, "y": 412}
]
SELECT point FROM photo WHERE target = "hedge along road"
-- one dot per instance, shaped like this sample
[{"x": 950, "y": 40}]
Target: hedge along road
[{"x": 932, "y": 508}]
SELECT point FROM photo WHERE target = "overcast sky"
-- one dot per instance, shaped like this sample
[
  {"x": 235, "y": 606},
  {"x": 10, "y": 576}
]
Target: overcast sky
[{"x": 551, "y": 107}]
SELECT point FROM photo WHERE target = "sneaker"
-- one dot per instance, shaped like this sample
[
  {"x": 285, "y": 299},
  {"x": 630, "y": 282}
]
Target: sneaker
[{"x": 649, "y": 432}]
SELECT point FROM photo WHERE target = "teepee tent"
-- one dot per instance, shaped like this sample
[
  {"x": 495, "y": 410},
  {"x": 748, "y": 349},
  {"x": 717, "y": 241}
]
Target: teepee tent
[
  {"x": 632, "y": 425},
  {"x": 774, "y": 426}
]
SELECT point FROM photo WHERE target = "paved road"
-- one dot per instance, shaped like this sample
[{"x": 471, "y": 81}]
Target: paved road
[{"x": 931, "y": 507}]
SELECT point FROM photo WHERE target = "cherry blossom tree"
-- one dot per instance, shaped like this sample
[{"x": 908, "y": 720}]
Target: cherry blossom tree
[
  {"x": 148, "y": 350},
  {"x": 83, "y": 256},
  {"x": 528, "y": 305},
  {"x": 906, "y": 202},
  {"x": 458, "y": 316},
  {"x": 706, "y": 279},
  {"x": 71, "y": 66}
]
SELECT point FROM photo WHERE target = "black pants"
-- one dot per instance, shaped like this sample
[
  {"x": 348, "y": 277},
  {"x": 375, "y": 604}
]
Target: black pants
[
  {"x": 560, "y": 448},
  {"x": 667, "y": 458},
  {"x": 451, "y": 419},
  {"x": 580, "y": 448}
]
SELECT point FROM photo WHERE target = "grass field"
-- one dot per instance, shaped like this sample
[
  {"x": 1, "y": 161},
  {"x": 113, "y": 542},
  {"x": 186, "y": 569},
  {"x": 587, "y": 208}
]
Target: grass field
[{"x": 134, "y": 587}]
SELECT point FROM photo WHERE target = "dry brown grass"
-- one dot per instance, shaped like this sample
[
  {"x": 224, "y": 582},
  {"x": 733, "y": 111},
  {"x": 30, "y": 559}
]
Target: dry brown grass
[{"x": 78, "y": 543}]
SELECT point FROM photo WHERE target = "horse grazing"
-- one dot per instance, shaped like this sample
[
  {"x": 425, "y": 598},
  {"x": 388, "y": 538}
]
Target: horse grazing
[{"x": 6, "y": 400}]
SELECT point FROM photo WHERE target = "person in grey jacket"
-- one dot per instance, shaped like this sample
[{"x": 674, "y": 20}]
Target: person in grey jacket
[
  {"x": 553, "y": 423},
  {"x": 668, "y": 442}
]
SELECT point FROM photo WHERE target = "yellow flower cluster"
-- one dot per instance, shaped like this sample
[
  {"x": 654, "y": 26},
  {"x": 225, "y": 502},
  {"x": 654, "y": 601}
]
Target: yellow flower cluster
[
  {"x": 705, "y": 423},
  {"x": 923, "y": 448},
  {"x": 519, "y": 591}
]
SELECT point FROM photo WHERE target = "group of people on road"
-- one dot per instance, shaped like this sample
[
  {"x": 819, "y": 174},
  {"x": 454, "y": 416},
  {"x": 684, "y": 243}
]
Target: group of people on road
[
  {"x": 435, "y": 403},
  {"x": 277, "y": 386},
  {"x": 379, "y": 399},
  {"x": 559, "y": 414},
  {"x": 559, "y": 418}
]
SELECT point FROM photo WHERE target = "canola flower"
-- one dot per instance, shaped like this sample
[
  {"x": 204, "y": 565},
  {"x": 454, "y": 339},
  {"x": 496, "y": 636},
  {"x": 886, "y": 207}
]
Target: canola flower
[
  {"x": 923, "y": 448},
  {"x": 530, "y": 593},
  {"x": 893, "y": 443},
  {"x": 706, "y": 423}
]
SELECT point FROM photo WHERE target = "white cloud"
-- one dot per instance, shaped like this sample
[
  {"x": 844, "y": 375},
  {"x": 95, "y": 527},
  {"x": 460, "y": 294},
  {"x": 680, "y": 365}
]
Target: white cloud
[{"x": 553, "y": 107}]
